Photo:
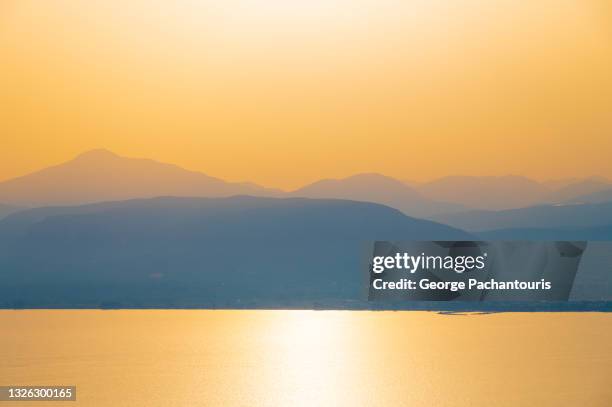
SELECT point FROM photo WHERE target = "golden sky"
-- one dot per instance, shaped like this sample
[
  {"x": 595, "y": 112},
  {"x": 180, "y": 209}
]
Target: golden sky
[{"x": 284, "y": 92}]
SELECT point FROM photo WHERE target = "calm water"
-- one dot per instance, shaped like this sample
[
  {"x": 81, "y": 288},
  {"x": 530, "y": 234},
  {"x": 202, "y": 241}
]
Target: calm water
[{"x": 310, "y": 358}]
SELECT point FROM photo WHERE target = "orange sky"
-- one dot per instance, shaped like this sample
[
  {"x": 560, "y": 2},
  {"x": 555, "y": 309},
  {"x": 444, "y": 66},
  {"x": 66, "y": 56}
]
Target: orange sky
[{"x": 284, "y": 92}]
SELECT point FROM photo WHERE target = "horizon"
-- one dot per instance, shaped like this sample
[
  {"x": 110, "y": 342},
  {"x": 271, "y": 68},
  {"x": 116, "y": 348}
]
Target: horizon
[{"x": 406, "y": 181}]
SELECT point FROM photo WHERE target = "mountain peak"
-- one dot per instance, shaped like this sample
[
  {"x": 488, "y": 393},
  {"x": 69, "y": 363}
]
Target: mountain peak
[
  {"x": 101, "y": 175},
  {"x": 96, "y": 154},
  {"x": 371, "y": 176}
]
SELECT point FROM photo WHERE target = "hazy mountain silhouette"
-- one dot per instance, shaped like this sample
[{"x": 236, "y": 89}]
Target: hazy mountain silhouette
[
  {"x": 197, "y": 251},
  {"x": 100, "y": 175},
  {"x": 378, "y": 189},
  {"x": 492, "y": 193},
  {"x": 536, "y": 217},
  {"x": 576, "y": 191},
  {"x": 6, "y": 210},
  {"x": 555, "y": 184},
  {"x": 595, "y": 233},
  {"x": 594, "y": 197},
  {"x": 509, "y": 192}
]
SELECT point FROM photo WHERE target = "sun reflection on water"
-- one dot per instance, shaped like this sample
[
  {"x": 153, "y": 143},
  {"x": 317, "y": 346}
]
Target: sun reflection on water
[{"x": 178, "y": 358}]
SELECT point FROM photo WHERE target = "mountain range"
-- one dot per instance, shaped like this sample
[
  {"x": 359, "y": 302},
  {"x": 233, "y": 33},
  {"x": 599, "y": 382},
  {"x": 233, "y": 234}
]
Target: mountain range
[
  {"x": 594, "y": 197},
  {"x": 379, "y": 189},
  {"x": 100, "y": 175},
  {"x": 591, "y": 233},
  {"x": 542, "y": 222},
  {"x": 164, "y": 252},
  {"x": 105, "y": 230},
  {"x": 541, "y": 216},
  {"x": 509, "y": 192}
]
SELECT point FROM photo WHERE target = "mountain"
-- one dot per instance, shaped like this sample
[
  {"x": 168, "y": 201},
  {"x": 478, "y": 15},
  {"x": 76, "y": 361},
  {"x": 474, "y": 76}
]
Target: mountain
[
  {"x": 575, "y": 191},
  {"x": 594, "y": 233},
  {"x": 492, "y": 193},
  {"x": 6, "y": 210},
  {"x": 206, "y": 252},
  {"x": 555, "y": 184},
  {"x": 594, "y": 197},
  {"x": 511, "y": 192},
  {"x": 100, "y": 175},
  {"x": 378, "y": 189},
  {"x": 536, "y": 217}
]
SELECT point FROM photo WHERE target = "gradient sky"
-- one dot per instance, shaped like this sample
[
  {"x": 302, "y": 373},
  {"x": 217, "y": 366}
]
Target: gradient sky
[{"x": 284, "y": 92}]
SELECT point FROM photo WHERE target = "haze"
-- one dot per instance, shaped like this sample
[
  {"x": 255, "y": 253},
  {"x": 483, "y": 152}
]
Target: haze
[{"x": 283, "y": 93}]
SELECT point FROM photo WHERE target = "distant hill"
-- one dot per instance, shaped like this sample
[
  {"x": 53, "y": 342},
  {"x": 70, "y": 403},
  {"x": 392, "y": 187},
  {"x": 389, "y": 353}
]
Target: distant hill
[
  {"x": 594, "y": 197},
  {"x": 554, "y": 184},
  {"x": 575, "y": 191},
  {"x": 100, "y": 175},
  {"x": 493, "y": 193},
  {"x": 510, "y": 192},
  {"x": 378, "y": 189},
  {"x": 6, "y": 210},
  {"x": 208, "y": 252},
  {"x": 595, "y": 233},
  {"x": 536, "y": 217}
]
